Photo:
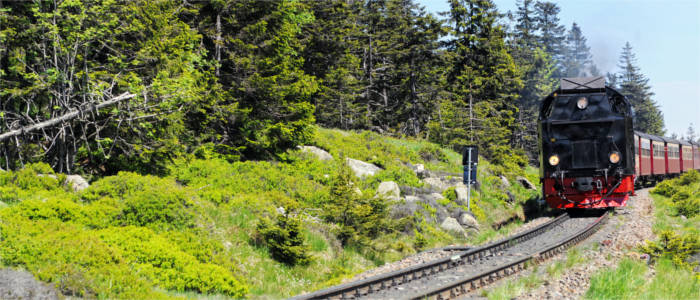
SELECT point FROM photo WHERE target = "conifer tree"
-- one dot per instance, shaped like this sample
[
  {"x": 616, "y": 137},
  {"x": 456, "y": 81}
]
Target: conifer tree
[
  {"x": 577, "y": 60},
  {"x": 485, "y": 80},
  {"x": 635, "y": 86},
  {"x": 551, "y": 33}
]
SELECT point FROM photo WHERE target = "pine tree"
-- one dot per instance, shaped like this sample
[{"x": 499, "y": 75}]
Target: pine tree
[
  {"x": 485, "y": 80},
  {"x": 551, "y": 35},
  {"x": 537, "y": 69},
  {"x": 635, "y": 86},
  {"x": 690, "y": 134},
  {"x": 577, "y": 60}
]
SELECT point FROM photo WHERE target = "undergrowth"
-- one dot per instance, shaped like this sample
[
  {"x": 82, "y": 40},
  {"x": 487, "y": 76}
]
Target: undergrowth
[{"x": 224, "y": 228}]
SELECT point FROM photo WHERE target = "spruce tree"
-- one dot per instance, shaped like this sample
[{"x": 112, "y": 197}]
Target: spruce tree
[
  {"x": 577, "y": 60},
  {"x": 551, "y": 33},
  {"x": 485, "y": 81},
  {"x": 635, "y": 86}
]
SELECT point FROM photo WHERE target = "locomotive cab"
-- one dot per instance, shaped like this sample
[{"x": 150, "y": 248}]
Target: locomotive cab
[{"x": 586, "y": 145}]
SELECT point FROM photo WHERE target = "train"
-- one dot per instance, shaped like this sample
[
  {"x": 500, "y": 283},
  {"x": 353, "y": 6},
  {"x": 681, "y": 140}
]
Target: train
[{"x": 590, "y": 155}]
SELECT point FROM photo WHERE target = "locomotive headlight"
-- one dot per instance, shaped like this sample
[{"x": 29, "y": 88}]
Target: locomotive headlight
[
  {"x": 614, "y": 157},
  {"x": 582, "y": 103},
  {"x": 554, "y": 160}
]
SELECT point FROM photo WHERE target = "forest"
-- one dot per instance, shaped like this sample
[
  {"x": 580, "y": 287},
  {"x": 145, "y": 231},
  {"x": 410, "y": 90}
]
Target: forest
[
  {"x": 189, "y": 122},
  {"x": 248, "y": 79}
]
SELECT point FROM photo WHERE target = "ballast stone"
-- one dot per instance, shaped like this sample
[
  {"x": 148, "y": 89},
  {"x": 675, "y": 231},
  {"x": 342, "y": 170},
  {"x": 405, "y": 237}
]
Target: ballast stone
[
  {"x": 361, "y": 168},
  {"x": 316, "y": 151}
]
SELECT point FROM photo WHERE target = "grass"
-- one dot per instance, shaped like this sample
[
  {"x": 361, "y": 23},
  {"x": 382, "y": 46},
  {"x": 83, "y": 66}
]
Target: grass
[
  {"x": 623, "y": 282},
  {"x": 631, "y": 278},
  {"x": 514, "y": 287},
  {"x": 218, "y": 206},
  {"x": 573, "y": 257}
]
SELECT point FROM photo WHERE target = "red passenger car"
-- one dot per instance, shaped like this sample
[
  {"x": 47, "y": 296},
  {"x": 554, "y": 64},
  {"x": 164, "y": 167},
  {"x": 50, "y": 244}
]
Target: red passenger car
[
  {"x": 673, "y": 157},
  {"x": 686, "y": 156}
]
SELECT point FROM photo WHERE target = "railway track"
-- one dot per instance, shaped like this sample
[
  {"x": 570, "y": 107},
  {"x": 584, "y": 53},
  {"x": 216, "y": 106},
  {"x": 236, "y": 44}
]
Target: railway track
[{"x": 468, "y": 270}]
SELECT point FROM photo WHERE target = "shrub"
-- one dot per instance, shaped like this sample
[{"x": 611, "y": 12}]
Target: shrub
[
  {"x": 161, "y": 261},
  {"x": 284, "y": 239},
  {"x": 691, "y": 176},
  {"x": 432, "y": 152},
  {"x": 674, "y": 247},
  {"x": 450, "y": 194},
  {"x": 665, "y": 188},
  {"x": 145, "y": 200}
]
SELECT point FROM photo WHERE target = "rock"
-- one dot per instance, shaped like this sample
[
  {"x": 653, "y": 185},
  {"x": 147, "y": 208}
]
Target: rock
[
  {"x": 389, "y": 189},
  {"x": 450, "y": 224},
  {"x": 504, "y": 181},
  {"x": 22, "y": 285},
  {"x": 419, "y": 169},
  {"x": 511, "y": 197},
  {"x": 436, "y": 196},
  {"x": 461, "y": 192},
  {"x": 435, "y": 183},
  {"x": 468, "y": 220},
  {"x": 683, "y": 217},
  {"x": 77, "y": 182},
  {"x": 361, "y": 168},
  {"x": 526, "y": 183},
  {"x": 357, "y": 191},
  {"x": 318, "y": 152},
  {"x": 280, "y": 210},
  {"x": 412, "y": 199}
]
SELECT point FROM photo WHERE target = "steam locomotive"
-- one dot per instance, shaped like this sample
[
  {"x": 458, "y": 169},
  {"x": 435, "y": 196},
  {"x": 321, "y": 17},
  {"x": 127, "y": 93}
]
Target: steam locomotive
[{"x": 590, "y": 155}]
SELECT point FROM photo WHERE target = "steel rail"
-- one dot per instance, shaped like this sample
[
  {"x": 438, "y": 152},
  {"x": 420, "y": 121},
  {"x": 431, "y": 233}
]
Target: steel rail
[
  {"x": 383, "y": 281},
  {"x": 464, "y": 286}
]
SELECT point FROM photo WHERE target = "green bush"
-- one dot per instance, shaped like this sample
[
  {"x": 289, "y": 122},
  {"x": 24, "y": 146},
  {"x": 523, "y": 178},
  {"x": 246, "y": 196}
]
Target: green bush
[
  {"x": 284, "y": 239},
  {"x": 674, "y": 247},
  {"x": 145, "y": 200},
  {"x": 689, "y": 177},
  {"x": 432, "y": 152},
  {"x": 450, "y": 194},
  {"x": 665, "y": 188},
  {"x": 161, "y": 261}
]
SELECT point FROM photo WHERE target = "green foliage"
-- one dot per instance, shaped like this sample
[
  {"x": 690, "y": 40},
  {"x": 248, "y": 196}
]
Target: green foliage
[
  {"x": 620, "y": 283},
  {"x": 284, "y": 239},
  {"x": 450, "y": 194},
  {"x": 432, "y": 152},
  {"x": 359, "y": 218},
  {"x": 683, "y": 191},
  {"x": 145, "y": 200},
  {"x": 666, "y": 188},
  {"x": 419, "y": 241},
  {"x": 674, "y": 247}
]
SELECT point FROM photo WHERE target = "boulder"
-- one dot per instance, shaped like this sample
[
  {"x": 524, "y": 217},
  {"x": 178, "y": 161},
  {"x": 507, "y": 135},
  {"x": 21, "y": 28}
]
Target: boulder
[
  {"x": 450, "y": 224},
  {"x": 361, "y": 168},
  {"x": 77, "y": 182},
  {"x": 468, "y": 220},
  {"x": 435, "y": 183},
  {"x": 461, "y": 192},
  {"x": 389, "y": 189},
  {"x": 318, "y": 152},
  {"x": 526, "y": 183},
  {"x": 419, "y": 169},
  {"x": 437, "y": 196},
  {"x": 23, "y": 285},
  {"x": 412, "y": 199},
  {"x": 504, "y": 181}
]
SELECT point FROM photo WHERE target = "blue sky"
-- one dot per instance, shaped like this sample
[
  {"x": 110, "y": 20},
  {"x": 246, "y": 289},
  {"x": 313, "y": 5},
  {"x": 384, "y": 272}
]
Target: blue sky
[{"x": 665, "y": 36}]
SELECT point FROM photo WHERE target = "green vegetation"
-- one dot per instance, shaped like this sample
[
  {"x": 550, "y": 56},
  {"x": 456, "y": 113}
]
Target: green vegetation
[
  {"x": 512, "y": 288},
  {"x": 677, "y": 240},
  {"x": 231, "y": 228}
]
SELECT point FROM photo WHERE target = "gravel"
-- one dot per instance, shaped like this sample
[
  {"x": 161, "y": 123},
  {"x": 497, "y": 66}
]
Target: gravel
[
  {"x": 511, "y": 254},
  {"x": 617, "y": 239},
  {"x": 22, "y": 285},
  {"x": 433, "y": 254}
]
